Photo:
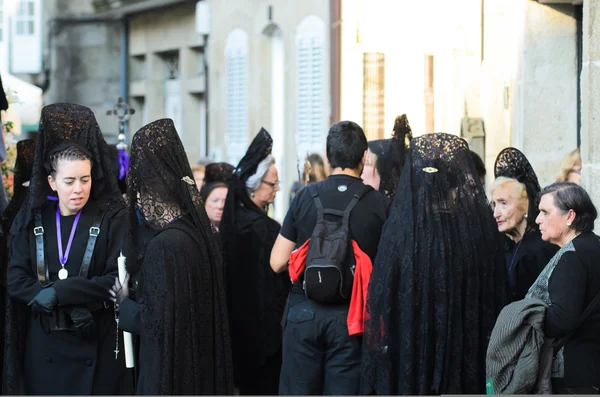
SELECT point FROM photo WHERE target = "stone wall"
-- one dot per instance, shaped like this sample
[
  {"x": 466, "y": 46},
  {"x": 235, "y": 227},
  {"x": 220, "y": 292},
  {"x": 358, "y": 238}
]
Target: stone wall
[{"x": 590, "y": 102}]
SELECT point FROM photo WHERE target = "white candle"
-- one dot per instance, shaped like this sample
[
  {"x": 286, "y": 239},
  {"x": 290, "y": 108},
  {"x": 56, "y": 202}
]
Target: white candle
[{"x": 127, "y": 338}]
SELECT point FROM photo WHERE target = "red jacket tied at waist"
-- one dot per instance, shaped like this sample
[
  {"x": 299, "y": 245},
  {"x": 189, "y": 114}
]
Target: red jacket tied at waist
[{"x": 362, "y": 275}]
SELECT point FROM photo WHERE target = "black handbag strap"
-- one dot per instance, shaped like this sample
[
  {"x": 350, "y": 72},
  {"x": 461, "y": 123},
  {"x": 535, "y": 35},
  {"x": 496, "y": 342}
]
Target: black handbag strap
[
  {"x": 89, "y": 250},
  {"x": 42, "y": 269},
  {"x": 588, "y": 310}
]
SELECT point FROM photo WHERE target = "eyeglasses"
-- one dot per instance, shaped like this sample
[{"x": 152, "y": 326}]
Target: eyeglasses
[{"x": 272, "y": 184}]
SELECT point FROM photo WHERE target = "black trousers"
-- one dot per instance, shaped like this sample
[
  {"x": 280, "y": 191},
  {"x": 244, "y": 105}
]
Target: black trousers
[{"x": 319, "y": 357}]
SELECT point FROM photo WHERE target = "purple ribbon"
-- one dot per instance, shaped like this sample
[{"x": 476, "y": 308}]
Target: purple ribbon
[
  {"x": 123, "y": 163},
  {"x": 61, "y": 258},
  {"x": 52, "y": 198}
]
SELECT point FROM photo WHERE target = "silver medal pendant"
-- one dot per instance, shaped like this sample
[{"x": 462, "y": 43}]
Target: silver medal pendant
[{"x": 63, "y": 273}]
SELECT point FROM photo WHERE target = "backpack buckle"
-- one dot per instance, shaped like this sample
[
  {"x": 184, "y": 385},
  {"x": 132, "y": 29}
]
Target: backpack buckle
[
  {"x": 94, "y": 231},
  {"x": 38, "y": 231}
]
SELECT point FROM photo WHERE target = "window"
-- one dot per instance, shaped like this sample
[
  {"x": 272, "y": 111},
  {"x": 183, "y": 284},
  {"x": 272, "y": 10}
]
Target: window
[
  {"x": 311, "y": 122},
  {"x": 25, "y": 18},
  {"x": 1, "y": 20},
  {"x": 236, "y": 55},
  {"x": 373, "y": 94}
]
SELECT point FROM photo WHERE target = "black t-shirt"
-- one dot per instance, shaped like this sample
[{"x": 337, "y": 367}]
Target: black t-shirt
[{"x": 336, "y": 192}]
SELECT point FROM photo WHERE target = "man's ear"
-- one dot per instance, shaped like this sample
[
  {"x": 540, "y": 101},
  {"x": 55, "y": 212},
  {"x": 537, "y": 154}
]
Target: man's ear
[
  {"x": 327, "y": 159},
  {"x": 364, "y": 158}
]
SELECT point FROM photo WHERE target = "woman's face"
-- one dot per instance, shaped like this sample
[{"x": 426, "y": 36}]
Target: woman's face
[
  {"x": 509, "y": 212},
  {"x": 269, "y": 186},
  {"x": 369, "y": 175},
  {"x": 215, "y": 202},
  {"x": 72, "y": 183},
  {"x": 199, "y": 178},
  {"x": 553, "y": 223}
]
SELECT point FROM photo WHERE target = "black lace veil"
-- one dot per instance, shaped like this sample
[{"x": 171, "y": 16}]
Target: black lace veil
[
  {"x": 438, "y": 281},
  {"x": 512, "y": 163},
  {"x": 76, "y": 123},
  {"x": 160, "y": 184},
  {"x": 391, "y": 154},
  {"x": 22, "y": 174}
]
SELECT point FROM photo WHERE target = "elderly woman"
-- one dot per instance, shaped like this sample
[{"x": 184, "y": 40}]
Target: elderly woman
[
  {"x": 569, "y": 284},
  {"x": 257, "y": 295},
  {"x": 515, "y": 200},
  {"x": 385, "y": 159},
  {"x": 214, "y": 192}
]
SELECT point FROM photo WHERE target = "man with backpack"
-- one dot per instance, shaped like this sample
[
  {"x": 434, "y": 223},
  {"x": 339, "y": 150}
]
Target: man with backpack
[{"x": 332, "y": 230}]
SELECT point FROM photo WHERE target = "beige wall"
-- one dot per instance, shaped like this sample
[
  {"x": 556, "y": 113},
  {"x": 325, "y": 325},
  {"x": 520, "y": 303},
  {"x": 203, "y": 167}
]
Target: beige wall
[
  {"x": 252, "y": 17},
  {"x": 590, "y": 102},
  {"x": 152, "y": 35}
]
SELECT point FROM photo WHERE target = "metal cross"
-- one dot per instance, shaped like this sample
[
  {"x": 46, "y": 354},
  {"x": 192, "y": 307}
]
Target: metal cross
[{"x": 123, "y": 112}]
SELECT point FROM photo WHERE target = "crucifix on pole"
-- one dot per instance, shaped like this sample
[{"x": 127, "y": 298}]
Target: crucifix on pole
[{"x": 123, "y": 112}]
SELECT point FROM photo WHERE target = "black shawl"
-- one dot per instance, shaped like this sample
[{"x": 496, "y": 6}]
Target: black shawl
[
  {"x": 185, "y": 333},
  {"x": 438, "y": 280}
]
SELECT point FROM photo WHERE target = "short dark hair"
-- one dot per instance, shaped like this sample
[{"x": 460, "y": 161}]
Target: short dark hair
[
  {"x": 479, "y": 165},
  {"x": 70, "y": 153},
  {"x": 571, "y": 196},
  {"x": 346, "y": 145}
]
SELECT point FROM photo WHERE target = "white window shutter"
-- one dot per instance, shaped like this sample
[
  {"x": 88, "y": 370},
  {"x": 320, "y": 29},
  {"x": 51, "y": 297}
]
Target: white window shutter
[
  {"x": 27, "y": 33},
  {"x": 311, "y": 122},
  {"x": 236, "y": 54}
]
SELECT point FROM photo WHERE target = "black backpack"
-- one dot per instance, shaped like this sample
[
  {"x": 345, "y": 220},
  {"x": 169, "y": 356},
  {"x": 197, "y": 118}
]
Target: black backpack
[{"x": 330, "y": 264}]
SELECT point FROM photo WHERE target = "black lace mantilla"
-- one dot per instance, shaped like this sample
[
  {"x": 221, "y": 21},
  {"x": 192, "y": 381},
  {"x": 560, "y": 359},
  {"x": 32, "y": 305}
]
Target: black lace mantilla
[
  {"x": 162, "y": 188},
  {"x": 512, "y": 163},
  {"x": 68, "y": 122},
  {"x": 391, "y": 154},
  {"x": 438, "y": 279}
]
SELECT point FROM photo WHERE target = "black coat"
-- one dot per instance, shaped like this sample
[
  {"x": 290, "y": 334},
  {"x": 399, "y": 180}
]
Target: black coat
[
  {"x": 41, "y": 361},
  {"x": 531, "y": 257}
]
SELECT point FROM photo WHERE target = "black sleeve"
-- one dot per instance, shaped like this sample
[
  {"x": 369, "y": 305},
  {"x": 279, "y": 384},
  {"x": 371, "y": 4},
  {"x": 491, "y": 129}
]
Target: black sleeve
[
  {"x": 22, "y": 283},
  {"x": 80, "y": 290},
  {"x": 288, "y": 229},
  {"x": 567, "y": 288},
  {"x": 129, "y": 316}
]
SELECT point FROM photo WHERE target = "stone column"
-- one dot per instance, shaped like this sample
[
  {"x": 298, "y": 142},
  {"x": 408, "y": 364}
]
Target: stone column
[{"x": 590, "y": 102}]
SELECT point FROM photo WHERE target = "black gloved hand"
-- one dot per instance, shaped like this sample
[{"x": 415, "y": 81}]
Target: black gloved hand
[
  {"x": 45, "y": 301},
  {"x": 84, "y": 322}
]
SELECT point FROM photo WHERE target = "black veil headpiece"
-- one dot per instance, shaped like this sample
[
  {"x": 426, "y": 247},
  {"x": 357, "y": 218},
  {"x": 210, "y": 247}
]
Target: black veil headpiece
[
  {"x": 438, "y": 280},
  {"x": 512, "y": 163},
  {"x": 215, "y": 175},
  {"x": 161, "y": 187},
  {"x": 76, "y": 124},
  {"x": 391, "y": 154},
  {"x": 22, "y": 174}
]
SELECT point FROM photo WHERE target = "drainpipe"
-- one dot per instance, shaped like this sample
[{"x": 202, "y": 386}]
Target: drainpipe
[
  {"x": 125, "y": 65},
  {"x": 335, "y": 19},
  {"x": 206, "y": 96}
]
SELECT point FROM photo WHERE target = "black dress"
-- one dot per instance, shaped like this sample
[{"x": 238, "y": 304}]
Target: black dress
[
  {"x": 524, "y": 261},
  {"x": 182, "y": 347},
  {"x": 257, "y": 297},
  {"x": 42, "y": 361}
]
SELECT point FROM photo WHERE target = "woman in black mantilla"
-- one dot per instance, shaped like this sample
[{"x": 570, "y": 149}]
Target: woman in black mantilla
[
  {"x": 61, "y": 333},
  {"x": 180, "y": 308},
  {"x": 386, "y": 157},
  {"x": 22, "y": 174},
  {"x": 256, "y": 294},
  {"x": 438, "y": 279},
  {"x": 515, "y": 201}
]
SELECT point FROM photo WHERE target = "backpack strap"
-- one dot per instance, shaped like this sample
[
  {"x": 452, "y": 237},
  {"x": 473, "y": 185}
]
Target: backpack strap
[
  {"x": 315, "y": 195},
  {"x": 89, "y": 250},
  {"x": 42, "y": 269},
  {"x": 362, "y": 190}
]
